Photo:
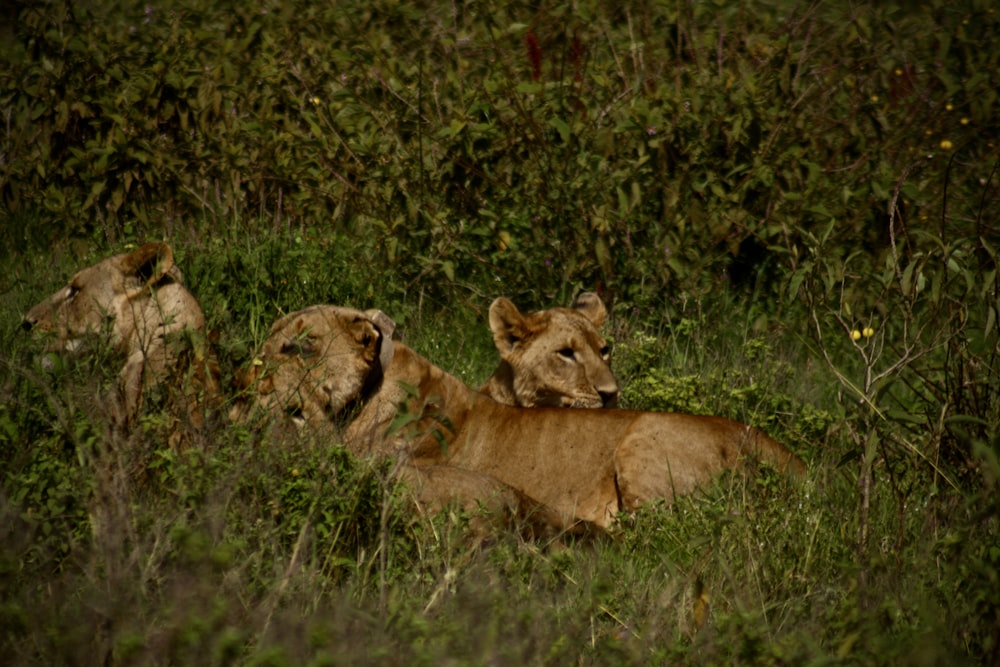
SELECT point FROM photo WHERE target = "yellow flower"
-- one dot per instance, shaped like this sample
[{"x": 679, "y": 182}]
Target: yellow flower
[
  {"x": 867, "y": 332},
  {"x": 948, "y": 107},
  {"x": 874, "y": 98},
  {"x": 946, "y": 145},
  {"x": 964, "y": 121},
  {"x": 315, "y": 100},
  {"x": 855, "y": 334},
  {"x": 503, "y": 241},
  {"x": 295, "y": 472}
]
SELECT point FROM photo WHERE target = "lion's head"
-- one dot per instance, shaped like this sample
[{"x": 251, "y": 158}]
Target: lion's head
[
  {"x": 317, "y": 361},
  {"x": 554, "y": 357},
  {"x": 112, "y": 296},
  {"x": 137, "y": 303}
]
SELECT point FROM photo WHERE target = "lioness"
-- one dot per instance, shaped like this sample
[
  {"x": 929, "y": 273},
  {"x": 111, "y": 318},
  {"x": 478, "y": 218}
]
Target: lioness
[
  {"x": 488, "y": 501},
  {"x": 554, "y": 357},
  {"x": 291, "y": 377},
  {"x": 339, "y": 363},
  {"x": 136, "y": 300}
]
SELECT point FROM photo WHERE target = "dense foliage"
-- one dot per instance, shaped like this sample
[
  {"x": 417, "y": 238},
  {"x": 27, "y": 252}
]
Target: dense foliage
[
  {"x": 790, "y": 208},
  {"x": 645, "y": 147}
]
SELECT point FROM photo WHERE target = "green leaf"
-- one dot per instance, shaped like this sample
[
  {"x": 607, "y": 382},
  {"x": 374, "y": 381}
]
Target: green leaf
[
  {"x": 95, "y": 191},
  {"x": 561, "y": 127},
  {"x": 603, "y": 254},
  {"x": 795, "y": 282}
]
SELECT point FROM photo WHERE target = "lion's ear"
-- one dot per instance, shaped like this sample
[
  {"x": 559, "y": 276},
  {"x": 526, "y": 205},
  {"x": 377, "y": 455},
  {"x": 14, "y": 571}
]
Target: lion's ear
[
  {"x": 591, "y": 307},
  {"x": 387, "y": 328},
  {"x": 507, "y": 324},
  {"x": 149, "y": 263}
]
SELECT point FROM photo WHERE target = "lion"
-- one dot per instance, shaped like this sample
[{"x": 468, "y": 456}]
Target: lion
[
  {"x": 137, "y": 303},
  {"x": 290, "y": 380},
  {"x": 554, "y": 357},
  {"x": 488, "y": 502},
  {"x": 584, "y": 465}
]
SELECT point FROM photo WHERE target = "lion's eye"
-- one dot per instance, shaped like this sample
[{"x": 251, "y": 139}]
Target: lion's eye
[
  {"x": 605, "y": 351},
  {"x": 72, "y": 291},
  {"x": 567, "y": 353},
  {"x": 300, "y": 348}
]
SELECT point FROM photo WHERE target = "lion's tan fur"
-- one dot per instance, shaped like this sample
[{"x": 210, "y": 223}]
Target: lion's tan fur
[
  {"x": 554, "y": 357},
  {"x": 301, "y": 386},
  {"x": 291, "y": 378},
  {"x": 136, "y": 301},
  {"x": 488, "y": 501},
  {"x": 582, "y": 464}
]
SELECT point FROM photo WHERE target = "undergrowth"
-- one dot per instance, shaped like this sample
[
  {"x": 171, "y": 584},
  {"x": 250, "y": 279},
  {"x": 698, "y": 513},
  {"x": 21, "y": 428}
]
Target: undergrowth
[{"x": 244, "y": 552}]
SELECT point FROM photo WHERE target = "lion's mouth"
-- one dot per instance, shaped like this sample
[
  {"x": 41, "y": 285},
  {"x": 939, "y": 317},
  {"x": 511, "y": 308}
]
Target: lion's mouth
[
  {"x": 294, "y": 414},
  {"x": 57, "y": 348},
  {"x": 552, "y": 400}
]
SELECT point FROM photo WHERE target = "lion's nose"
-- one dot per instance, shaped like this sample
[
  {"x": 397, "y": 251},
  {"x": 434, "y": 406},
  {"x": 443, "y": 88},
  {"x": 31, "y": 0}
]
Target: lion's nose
[
  {"x": 27, "y": 324},
  {"x": 609, "y": 399}
]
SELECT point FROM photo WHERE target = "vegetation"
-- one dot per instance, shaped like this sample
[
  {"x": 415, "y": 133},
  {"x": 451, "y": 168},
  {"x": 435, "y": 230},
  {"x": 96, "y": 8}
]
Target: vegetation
[{"x": 791, "y": 210}]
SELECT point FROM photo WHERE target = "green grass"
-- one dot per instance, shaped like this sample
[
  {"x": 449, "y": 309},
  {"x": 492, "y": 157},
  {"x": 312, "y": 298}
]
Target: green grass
[{"x": 249, "y": 553}]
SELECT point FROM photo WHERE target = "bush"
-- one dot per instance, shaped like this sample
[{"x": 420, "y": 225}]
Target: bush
[{"x": 647, "y": 149}]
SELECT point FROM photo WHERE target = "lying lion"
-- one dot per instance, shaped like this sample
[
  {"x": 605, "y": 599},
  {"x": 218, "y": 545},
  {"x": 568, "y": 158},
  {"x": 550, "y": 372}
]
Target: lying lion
[
  {"x": 291, "y": 378},
  {"x": 331, "y": 363},
  {"x": 137, "y": 302},
  {"x": 554, "y": 357},
  {"x": 488, "y": 501}
]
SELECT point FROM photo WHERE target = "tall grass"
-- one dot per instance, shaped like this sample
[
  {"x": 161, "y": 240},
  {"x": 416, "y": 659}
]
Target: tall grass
[{"x": 242, "y": 552}]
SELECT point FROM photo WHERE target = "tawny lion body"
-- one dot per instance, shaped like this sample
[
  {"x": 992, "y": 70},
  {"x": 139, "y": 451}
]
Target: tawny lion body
[
  {"x": 318, "y": 362},
  {"x": 582, "y": 464},
  {"x": 488, "y": 501},
  {"x": 137, "y": 301}
]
